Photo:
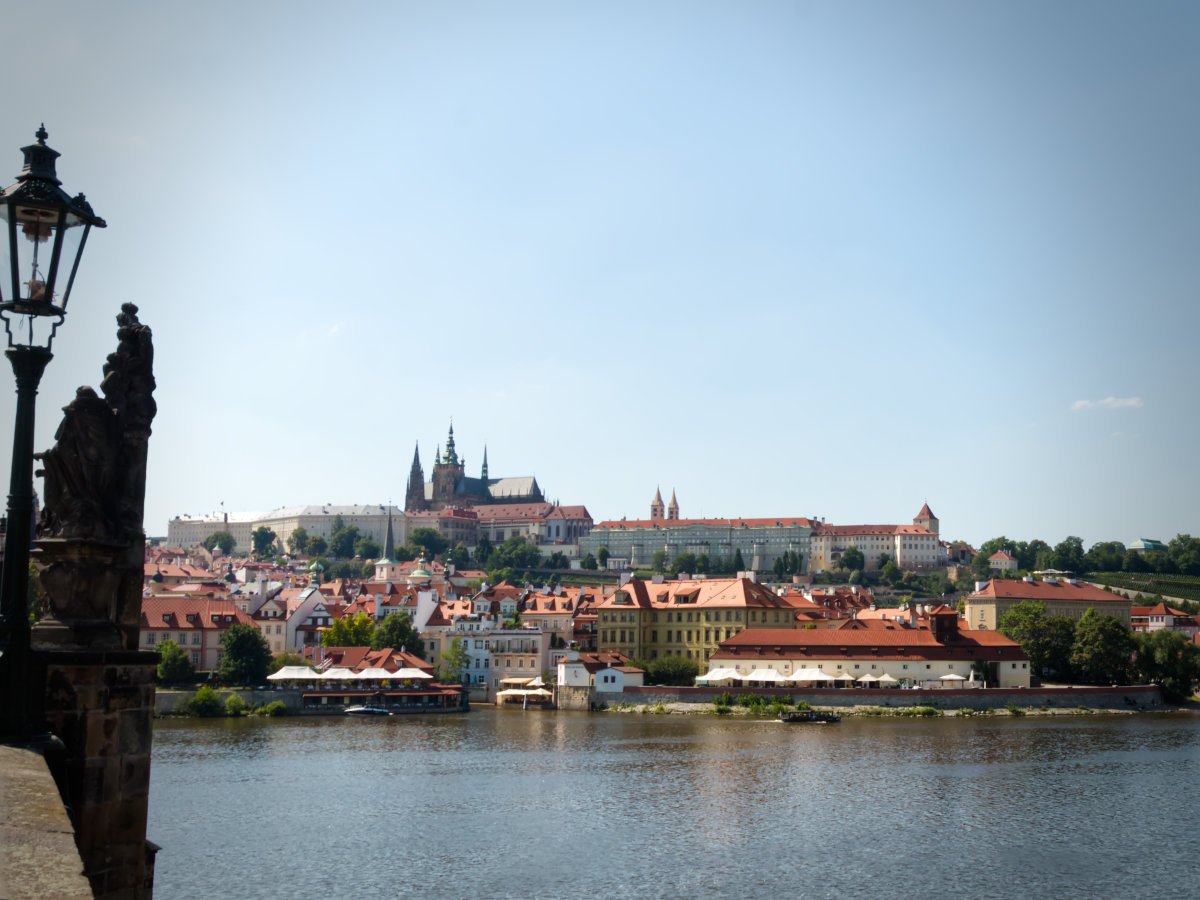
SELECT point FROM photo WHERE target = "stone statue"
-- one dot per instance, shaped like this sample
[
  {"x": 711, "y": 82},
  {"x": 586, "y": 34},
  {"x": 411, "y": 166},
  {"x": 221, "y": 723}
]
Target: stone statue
[{"x": 90, "y": 543}]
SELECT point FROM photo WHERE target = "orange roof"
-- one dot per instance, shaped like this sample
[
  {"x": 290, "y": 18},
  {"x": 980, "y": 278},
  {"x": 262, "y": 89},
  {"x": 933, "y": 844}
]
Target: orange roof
[
  {"x": 714, "y": 592},
  {"x": 820, "y": 528},
  {"x": 868, "y": 639},
  {"x": 628, "y": 524},
  {"x": 1005, "y": 589},
  {"x": 187, "y": 613}
]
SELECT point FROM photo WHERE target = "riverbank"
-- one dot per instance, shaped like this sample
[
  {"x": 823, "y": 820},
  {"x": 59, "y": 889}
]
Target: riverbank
[{"x": 868, "y": 711}]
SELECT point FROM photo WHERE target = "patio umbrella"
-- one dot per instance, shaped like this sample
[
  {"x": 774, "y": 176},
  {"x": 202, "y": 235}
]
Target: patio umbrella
[
  {"x": 809, "y": 675},
  {"x": 844, "y": 676},
  {"x": 537, "y": 682},
  {"x": 885, "y": 678},
  {"x": 374, "y": 673},
  {"x": 952, "y": 677},
  {"x": 338, "y": 674},
  {"x": 868, "y": 677},
  {"x": 294, "y": 673},
  {"x": 763, "y": 675},
  {"x": 401, "y": 674}
]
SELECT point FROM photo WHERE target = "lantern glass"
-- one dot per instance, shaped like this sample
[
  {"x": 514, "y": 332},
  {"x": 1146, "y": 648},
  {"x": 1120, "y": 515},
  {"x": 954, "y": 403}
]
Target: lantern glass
[{"x": 47, "y": 243}]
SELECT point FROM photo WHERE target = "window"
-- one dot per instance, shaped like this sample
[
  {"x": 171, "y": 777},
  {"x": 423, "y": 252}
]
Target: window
[
  {"x": 195, "y": 637},
  {"x": 149, "y": 637},
  {"x": 195, "y": 658}
]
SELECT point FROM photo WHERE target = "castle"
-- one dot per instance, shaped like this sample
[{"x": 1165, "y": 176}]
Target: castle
[{"x": 450, "y": 485}]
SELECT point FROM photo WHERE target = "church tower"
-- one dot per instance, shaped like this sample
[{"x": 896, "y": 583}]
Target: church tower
[
  {"x": 483, "y": 473},
  {"x": 673, "y": 508},
  {"x": 926, "y": 519},
  {"x": 447, "y": 473},
  {"x": 414, "y": 496},
  {"x": 656, "y": 506}
]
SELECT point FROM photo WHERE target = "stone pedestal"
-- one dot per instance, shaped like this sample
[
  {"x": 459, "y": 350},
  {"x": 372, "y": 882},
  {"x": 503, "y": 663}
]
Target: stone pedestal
[{"x": 101, "y": 704}]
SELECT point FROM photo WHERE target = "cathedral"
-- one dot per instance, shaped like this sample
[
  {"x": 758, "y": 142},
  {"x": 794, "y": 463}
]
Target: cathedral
[{"x": 450, "y": 486}]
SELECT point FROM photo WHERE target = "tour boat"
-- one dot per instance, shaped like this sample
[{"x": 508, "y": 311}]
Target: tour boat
[
  {"x": 808, "y": 717},
  {"x": 368, "y": 710}
]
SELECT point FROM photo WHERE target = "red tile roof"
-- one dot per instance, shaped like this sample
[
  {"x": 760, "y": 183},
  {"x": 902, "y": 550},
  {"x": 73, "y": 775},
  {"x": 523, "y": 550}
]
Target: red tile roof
[
  {"x": 870, "y": 639},
  {"x": 1019, "y": 589},
  {"x": 630, "y": 524}
]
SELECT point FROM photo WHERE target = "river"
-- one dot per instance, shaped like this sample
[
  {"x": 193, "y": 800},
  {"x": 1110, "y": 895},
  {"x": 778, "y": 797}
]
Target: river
[{"x": 506, "y": 803}]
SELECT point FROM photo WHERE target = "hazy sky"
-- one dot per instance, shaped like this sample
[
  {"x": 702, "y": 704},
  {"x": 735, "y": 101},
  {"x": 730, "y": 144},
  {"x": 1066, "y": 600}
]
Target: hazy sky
[{"x": 827, "y": 259}]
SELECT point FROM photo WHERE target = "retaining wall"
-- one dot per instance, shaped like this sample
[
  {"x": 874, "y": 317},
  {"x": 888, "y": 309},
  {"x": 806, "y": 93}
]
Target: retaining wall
[{"x": 1132, "y": 697}]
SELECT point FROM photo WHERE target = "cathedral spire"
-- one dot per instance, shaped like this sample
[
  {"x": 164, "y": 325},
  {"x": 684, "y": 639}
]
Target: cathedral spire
[
  {"x": 483, "y": 474},
  {"x": 673, "y": 508},
  {"x": 414, "y": 495},
  {"x": 656, "y": 505},
  {"x": 451, "y": 454},
  {"x": 389, "y": 542}
]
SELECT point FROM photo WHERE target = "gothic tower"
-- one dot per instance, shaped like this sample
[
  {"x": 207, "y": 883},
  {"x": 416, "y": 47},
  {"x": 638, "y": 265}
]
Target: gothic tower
[
  {"x": 447, "y": 473},
  {"x": 673, "y": 508},
  {"x": 656, "y": 506},
  {"x": 414, "y": 496},
  {"x": 926, "y": 519},
  {"x": 483, "y": 474}
]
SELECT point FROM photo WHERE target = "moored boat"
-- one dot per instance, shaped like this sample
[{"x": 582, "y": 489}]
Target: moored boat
[
  {"x": 808, "y": 717},
  {"x": 368, "y": 710}
]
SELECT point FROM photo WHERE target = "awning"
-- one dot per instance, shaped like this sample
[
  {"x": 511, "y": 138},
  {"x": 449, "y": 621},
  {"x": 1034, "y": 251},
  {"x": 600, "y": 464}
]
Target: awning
[
  {"x": 845, "y": 676},
  {"x": 952, "y": 677},
  {"x": 809, "y": 675},
  {"x": 537, "y": 682},
  {"x": 868, "y": 677},
  {"x": 719, "y": 675},
  {"x": 885, "y": 678},
  {"x": 375, "y": 672},
  {"x": 516, "y": 681},
  {"x": 768, "y": 675},
  {"x": 402, "y": 674},
  {"x": 294, "y": 673},
  {"x": 342, "y": 674}
]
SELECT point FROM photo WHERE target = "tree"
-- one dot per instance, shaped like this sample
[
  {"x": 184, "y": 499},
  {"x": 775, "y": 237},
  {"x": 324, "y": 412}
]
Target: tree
[
  {"x": 1046, "y": 640},
  {"x": 1104, "y": 556},
  {"x": 287, "y": 658},
  {"x": 588, "y": 562},
  {"x": 515, "y": 553},
  {"x": 483, "y": 550},
  {"x": 429, "y": 540},
  {"x": 222, "y": 539},
  {"x": 672, "y": 670},
  {"x": 341, "y": 540},
  {"x": 602, "y": 557},
  {"x": 658, "y": 562},
  {"x": 1133, "y": 562},
  {"x": 245, "y": 656},
  {"x": 263, "y": 540},
  {"x": 1170, "y": 660},
  {"x": 367, "y": 547},
  {"x": 453, "y": 663},
  {"x": 684, "y": 562},
  {"x": 852, "y": 558},
  {"x": 174, "y": 665},
  {"x": 397, "y": 632},
  {"x": 1184, "y": 551},
  {"x": 890, "y": 573},
  {"x": 1068, "y": 554},
  {"x": 1103, "y": 649},
  {"x": 297, "y": 542},
  {"x": 350, "y": 631},
  {"x": 317, "y": 545},
  {"x": 461, "y": 557},
  {"x": 739, "y": 564},
  {"x": 557, "y": 560}
]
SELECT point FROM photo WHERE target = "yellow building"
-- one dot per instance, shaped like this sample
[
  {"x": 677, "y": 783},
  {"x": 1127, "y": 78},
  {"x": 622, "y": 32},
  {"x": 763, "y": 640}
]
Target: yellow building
[
  {"x": 1061, "y": 597},
  {"x": 645, "y": 619}
]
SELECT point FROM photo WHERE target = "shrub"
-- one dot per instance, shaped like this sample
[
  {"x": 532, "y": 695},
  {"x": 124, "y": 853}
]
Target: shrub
[
  {"x": 803, "y": 704},
  {"x": 274, "y": 708},
  {"x": 725, "y": 699},
  {"x": 235, "y": 706},
  {"x": 1013, "y": 709},
  {"x": 205, "y": 702}
]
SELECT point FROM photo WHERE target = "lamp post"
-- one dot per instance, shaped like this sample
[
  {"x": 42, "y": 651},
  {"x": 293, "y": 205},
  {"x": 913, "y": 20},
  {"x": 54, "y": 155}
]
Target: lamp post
[{"x": 43, "y": 235}]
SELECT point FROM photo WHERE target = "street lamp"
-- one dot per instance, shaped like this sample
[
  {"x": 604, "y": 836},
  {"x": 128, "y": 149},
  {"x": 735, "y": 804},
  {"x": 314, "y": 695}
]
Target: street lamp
[{"x": 44, "y": 233}]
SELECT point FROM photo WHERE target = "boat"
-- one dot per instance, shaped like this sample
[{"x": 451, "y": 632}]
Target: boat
[
  {"x": 368, "y": 710},
  {"x": 808, "y": 717}
]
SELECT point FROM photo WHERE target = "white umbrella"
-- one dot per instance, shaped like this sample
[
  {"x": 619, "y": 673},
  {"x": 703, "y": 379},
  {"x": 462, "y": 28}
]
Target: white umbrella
[
  {"x": 809, "y": 675},
  {"x": 537, "y": 682},
  {"x": 375, "y": 673},
  {"x": 294, "y": 673},
  {"x": 339, "y": 674},
  {"x": 952, "y": 677},
  {"x": 885, "y": 678},
  {"x": 845, "y": 676},
  {"x": 401, "y": 674},
  {"x": 763, "y": 675},
  {"x": 868, "y": 677},
  {"x": 718, "y": 675}
]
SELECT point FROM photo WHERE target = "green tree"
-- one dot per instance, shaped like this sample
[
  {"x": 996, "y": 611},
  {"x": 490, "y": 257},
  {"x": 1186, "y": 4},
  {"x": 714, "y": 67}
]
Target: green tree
[
  {"x": 1046, "y": 640},
  {"x": 245, "y": 656},
  {"x": 367, "y": 547},
  {"x": 557, "y": 560},
  {"x": 483, "y": 550},
  {"x": 588, "y": 563},
  {"x": 460, "y": 556},
  {"x": 602, "y": 557},
  {"x": 429, "y": 540},
  {"x": 1133, "y": 562},
  {"x": 1170, "y": 660},
  {"x": 341, "y": 541},
  {"x": 263, "y": 540},
  {"x": 317, "y": 545},
  {"x": 287, "y": 658},
  {"x": 205, "y": 702},
  {"x": 890, "y": 573},
  {"x": 453, "y": 663},
  {"x": 852, "y": 558},
  {"x": 515, "y": 553},
  {"x": 1068, "y": 554},
  {"x": 684, "y": 562},
  {"x": 1104, "y": 556},
  {"x": 1103, "y": 649},
  {"x": 297, "y": 542},
  {"x": 397, "y": 632},
  {"x": 672, "y": 670},
  {"x": 174, "y": 665},
  {"x": 1184, "y": 551},
  {"x": 658, "y": 561},
  {"x": 222, "y": 539},
  {"x": 350, "y": 631},
  {"x": 739, "y": 564}
]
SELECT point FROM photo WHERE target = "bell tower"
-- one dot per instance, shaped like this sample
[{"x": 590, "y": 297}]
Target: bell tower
[{"x": 656, "y": 506}]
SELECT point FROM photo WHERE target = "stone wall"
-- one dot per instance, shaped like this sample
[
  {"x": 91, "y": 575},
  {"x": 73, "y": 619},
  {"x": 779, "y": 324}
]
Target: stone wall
[
  {"x": 1142, "y": 696},
  {"x": 567, "y": 697},
  {"x": 100, "y": 704},
  {"x": 167, "y": 701}
]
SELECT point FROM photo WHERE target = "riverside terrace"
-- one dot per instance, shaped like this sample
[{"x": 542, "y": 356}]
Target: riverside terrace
[{"x": 398, "y": 680}]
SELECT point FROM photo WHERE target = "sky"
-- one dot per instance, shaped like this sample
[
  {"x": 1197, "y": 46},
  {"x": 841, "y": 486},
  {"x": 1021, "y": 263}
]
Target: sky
[{"x": 786, "y": 259}]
